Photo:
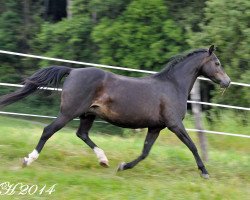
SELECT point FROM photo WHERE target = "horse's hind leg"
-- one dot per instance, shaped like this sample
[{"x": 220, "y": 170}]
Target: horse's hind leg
[
  {"x": 48, "y": 131},
  {"x": 152, "y": 135},
  {"x": 83, "y": 133}
]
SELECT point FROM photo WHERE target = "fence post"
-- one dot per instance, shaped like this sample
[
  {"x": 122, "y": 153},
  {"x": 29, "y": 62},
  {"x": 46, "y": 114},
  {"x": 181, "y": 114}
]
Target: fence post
[
  {"x": 197, "y": 112},
  {"x": 69, "y": 9}
]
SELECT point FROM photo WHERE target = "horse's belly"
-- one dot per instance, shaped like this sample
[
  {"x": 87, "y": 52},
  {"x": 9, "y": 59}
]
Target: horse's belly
[
  {"x": 125, "y": 111},
  {"x": 122, "y": 118}
]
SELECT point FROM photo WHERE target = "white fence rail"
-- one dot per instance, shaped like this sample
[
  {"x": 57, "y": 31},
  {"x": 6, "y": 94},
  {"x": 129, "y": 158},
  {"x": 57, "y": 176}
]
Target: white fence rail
[
  {"x": 196, "y": 102},
  {"x": 124, "y": 69},
  {"x": 188, "y": 129},
  {"x": 98, "y": 65}
]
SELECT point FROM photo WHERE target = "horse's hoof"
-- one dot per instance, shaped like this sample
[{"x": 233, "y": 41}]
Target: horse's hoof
[
  {"x": 104, "y": 164},
  {"x": 121, "y": 166},
  {"x": 206, "y": 176},
  {"x": 25, "y": 162}
]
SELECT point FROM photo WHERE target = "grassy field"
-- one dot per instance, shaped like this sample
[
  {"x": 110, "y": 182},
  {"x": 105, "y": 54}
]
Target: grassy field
[{"x": 169, "y": 172}]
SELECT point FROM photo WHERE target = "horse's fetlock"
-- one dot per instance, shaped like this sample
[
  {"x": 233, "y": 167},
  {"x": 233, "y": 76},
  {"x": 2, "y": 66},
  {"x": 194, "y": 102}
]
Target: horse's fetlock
[
  {"x": 78, "y": 134},
  {"x": 84, "y": 137}
]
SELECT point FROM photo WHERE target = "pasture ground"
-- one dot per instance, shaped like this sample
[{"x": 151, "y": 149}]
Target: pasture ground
[{"x": 169, "y": 172}]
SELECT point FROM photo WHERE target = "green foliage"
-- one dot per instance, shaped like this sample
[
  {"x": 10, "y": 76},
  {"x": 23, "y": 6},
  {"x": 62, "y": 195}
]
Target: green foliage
[
  {"x": 9, "y": 32},
  {"x": 16, "y": 30},
  {"x": 10, "y": 37},
  {"x": 230, "y": 31},
  {"x": 99, "y": 9},
  {"x": 187, "y": 13},
  {"x": 68, "y": 39},
  {"x": 143, "y": 36}
]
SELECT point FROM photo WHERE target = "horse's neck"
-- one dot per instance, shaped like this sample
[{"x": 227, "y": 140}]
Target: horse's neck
[{"x": 185, "y": 73}]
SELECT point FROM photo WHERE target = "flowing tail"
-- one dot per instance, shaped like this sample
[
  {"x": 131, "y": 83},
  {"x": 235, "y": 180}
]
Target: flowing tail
[{"x": 50, "y": 76}]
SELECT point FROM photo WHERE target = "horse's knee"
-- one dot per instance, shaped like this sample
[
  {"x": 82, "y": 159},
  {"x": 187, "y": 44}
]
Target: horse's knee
[
  {"x": 46, "y": 129},
  {"x": 49, "y": 130},
  {"x": 46, "y": 134}
]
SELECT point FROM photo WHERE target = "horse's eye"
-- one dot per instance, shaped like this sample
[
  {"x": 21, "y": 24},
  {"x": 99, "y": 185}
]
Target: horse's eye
[{"x": 217, "y": 63}]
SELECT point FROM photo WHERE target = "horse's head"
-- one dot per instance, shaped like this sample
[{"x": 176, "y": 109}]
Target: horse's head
[{"x": 212, "y": 69}]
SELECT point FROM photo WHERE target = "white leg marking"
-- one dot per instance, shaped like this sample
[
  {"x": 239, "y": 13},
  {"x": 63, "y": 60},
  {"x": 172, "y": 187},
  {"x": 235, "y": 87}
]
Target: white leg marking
[
  {"x": 31, "y": 157},
  {"x": 101, "y": 156}
]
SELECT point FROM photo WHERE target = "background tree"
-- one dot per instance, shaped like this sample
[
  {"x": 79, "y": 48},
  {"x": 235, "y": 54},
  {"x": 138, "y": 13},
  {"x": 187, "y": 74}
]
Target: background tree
[
  {"x": 230, "y": 31},
  {"x": 19, "y": 22},
  {"x": 71, "y": 37},
  {"x": 143, "y": 36},
  {"x": 187, "y": 13}
]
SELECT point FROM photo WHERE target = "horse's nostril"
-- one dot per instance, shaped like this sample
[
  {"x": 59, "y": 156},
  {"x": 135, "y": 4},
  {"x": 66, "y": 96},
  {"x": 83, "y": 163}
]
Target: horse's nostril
[
  {"x": 225, "y": 84},
  {"x": 228, "y": 82}
]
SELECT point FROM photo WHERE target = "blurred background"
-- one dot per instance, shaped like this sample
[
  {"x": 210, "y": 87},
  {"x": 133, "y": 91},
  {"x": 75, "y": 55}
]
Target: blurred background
[{"x": 139, "y": 34}]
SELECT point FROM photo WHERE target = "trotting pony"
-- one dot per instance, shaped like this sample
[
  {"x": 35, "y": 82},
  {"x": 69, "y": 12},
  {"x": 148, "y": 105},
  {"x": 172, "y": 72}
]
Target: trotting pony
[{"x": 154, "y": 102}]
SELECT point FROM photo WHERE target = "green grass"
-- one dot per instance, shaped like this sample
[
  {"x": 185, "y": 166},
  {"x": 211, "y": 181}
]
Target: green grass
[{"x": 169, "y": 172}]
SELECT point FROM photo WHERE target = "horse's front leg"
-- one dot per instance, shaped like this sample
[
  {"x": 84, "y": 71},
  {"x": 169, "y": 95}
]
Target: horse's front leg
[
  {"x": 149, "y": 141},
  {"x": 182, "y": 134}
]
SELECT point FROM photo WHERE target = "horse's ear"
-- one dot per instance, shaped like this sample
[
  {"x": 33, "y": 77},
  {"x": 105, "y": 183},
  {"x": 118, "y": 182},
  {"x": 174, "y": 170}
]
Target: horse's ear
[{"x": 211, "y": 49}]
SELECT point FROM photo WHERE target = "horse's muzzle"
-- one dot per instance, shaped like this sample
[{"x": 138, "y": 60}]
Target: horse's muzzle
[{"x": 225, "y": 82}]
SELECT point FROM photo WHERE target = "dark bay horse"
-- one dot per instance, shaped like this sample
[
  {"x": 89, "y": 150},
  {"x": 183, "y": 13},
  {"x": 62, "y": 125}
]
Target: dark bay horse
[{"x": 154, "y": 102}]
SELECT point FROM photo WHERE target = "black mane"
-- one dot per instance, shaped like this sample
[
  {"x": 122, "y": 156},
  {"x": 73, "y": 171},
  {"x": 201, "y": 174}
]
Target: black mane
[{"x": 173, "y": 61}]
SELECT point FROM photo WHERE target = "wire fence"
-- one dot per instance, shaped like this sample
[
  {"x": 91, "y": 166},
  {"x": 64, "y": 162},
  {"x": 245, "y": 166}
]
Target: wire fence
[
  {"x": 99, "y": 65},
  {"x": 124, "y": 69},
  {"x": 196, "y": 102},
  {"x": 188, "y": 129}
]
